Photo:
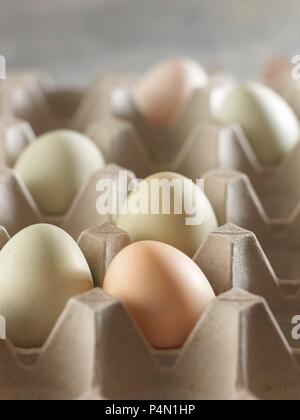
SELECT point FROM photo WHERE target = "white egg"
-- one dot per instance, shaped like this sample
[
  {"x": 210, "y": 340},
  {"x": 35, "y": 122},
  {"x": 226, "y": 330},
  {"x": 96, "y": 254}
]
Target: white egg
[{"x": 41, "y": 268}]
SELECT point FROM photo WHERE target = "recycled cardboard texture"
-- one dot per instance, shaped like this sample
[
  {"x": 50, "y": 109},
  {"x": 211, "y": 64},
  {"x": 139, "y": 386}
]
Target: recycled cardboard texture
[
  {"x": 109, "y": 358},
  {"x": 105, "y": 240},
  {"x": 243, "y": 265},
  {"x": 235, "y": 200}
]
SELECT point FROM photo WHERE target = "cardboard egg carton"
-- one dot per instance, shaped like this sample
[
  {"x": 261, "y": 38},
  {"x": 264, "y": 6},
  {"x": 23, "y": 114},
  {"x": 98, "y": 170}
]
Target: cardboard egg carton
[
  {"x": 235, "y": 200},
  {"x": 237, "y": 350},
  {"x": 32, "y": 103},
  {"x": 242, "y": 348},
  {"x": 194, "y": 146}
]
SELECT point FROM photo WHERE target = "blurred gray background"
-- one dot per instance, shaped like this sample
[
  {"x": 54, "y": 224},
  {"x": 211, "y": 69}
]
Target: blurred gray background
[{"x": 76, "y": 39}]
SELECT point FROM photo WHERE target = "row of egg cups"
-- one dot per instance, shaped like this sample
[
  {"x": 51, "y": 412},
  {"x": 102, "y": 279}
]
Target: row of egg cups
[
  {"x": 192, "y": 146},
  {"x": 231, "y": 194},
  {"x": 34, "y": 98},
  {"x": 108, "y": 357},
  {"x": 207, "y": 147},
  {"x": 233, "y": 200},
  {"x": 34, "y": 102},
  {"x": 154, "y": 130}
]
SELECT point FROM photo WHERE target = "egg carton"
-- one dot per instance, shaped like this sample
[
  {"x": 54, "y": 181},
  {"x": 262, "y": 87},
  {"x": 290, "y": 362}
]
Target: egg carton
[
  {"x": 31, "y": 103},
  {"x": 109, "y": 358},
  {"x": 19, "y": 210},
  {"x": 131, "y": 143},
  {"x": 235, "y": 200},
  {"x": 237, "y": 350},
  {"x": 231, "y": 194},
  {"x": 231, "y": 258}
]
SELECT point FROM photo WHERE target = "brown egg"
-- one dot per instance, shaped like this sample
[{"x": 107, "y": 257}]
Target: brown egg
[
  {"x": 162, "y": 93},
  {"x": 162, "y": 288}
]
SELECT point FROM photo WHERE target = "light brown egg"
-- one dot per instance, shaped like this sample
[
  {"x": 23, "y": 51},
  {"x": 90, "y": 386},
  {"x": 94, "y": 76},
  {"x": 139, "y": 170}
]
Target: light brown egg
[
  {"x": 163, "y": 92},
  {"x": 162, "y": 288}
]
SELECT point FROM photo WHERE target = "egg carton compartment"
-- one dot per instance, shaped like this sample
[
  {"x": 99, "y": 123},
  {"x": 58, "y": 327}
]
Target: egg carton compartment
[
  {"x": 32, "y": 103},
  {"x": 18, "y": 209},
  {"x": 235, "y": 200},
  {"x": 231, "y": 258},
  {"x": 206, "y": 147}
]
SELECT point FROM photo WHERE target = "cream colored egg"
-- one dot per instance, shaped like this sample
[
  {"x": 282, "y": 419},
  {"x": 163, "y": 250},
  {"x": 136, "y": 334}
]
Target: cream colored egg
[
  {"x": 163, "y": 92},
  {"x": 163, "y": 289},
  {"x": 41, "y": 268},
  {"x": 169, "y": 208},
  {"x": 269, "y": 123},
  {"x": 55, "y": 168}
]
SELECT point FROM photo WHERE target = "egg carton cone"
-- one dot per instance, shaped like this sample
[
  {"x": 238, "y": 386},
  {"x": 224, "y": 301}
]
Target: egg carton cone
[
  {"x": 207, "y": 147},
  {"x": 32, "y": 103},
  {"x": 18, "y": 209},
  {"x": 235, "y": 200}
]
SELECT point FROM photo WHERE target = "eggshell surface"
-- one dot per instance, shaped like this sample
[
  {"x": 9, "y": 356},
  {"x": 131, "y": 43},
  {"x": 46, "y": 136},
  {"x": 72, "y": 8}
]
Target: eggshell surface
[
  {"x": 164, "y": 291},
  {"x": 55, "y": 168},
  {"x": 41, "y": 268},
  {"x": 269, "y": 123},
  {"x": 173, "y": 227},
  {"x": 162, "y": 93}
]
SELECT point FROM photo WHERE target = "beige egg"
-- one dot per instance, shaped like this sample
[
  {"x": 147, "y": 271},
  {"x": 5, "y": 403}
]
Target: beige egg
[
  {"x": 55, "y": 168},
  {"x": 169, "y": 208},
  {"x": 41, "y": 268},
  {"x": 269, "y": 123},
  {"x": 162, "y": 93},
  {"x": 162, "y": 288}
]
